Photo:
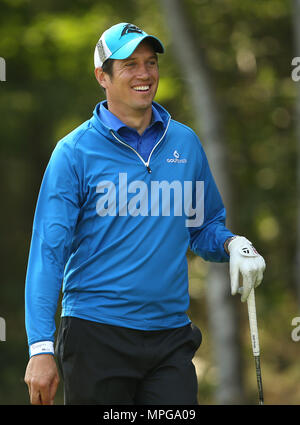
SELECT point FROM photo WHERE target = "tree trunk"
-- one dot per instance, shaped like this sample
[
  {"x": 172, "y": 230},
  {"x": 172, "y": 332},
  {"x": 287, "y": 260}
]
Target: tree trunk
[
  {"x": 222, "y": 313},
  {"x": 296, "y": 30}
]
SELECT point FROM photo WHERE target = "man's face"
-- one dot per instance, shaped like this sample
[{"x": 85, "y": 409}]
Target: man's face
[{"x": 134, "y": 82}]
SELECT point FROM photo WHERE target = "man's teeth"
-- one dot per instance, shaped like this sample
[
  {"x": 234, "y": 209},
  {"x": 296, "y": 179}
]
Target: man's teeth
[{"x": 141, "y": 88}]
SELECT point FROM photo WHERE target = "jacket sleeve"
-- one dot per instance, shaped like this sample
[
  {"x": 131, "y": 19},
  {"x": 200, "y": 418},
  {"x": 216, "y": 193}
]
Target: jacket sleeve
[
  {"x": 55, "y": 219},
  {"x": 207, "y": 240}
]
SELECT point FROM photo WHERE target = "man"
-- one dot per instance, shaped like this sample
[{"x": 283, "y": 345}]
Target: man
[{"x": 123, "y": 197}]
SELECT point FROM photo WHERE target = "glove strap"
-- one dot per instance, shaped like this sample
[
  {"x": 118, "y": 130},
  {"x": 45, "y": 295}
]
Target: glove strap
[{"x": 227, "y": 242}]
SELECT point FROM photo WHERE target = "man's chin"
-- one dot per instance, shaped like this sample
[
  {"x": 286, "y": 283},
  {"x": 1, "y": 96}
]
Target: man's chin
[
  {"x": 143, "y": 100},
  {"x": 142, "y": 106}
]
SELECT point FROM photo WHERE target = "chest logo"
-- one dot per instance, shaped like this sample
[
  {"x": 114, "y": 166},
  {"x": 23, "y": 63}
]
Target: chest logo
[{"x": 177, "y": 159}]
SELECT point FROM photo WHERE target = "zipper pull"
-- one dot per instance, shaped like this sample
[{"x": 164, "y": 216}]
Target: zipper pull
[{"x": 149, "y": 169}]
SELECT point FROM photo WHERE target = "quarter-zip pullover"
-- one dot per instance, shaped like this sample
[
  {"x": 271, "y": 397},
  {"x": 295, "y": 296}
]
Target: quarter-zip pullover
[
  {"x": 115, "y": 235},
  {"x": 144, "y": 143}
]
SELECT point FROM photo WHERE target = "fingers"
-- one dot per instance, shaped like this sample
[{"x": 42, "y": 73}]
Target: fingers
[
  {"x": 260, "y": 273},
  {"x": 247, "y": 286},
  {"x": 251, "y": 279},
  {"x": 42, "y": 379},
  {"x": 38, "y": 393},
  {"x": 252, "y": 273},
  {"x": 53, "y": 389},
  {"x": 35, "y": 397},
  {"x": 43, "y": 392},
  {"x": 259, "y": 278},
  {"x": 34, "y": 393},
  {"x": 234, "y": 278}
]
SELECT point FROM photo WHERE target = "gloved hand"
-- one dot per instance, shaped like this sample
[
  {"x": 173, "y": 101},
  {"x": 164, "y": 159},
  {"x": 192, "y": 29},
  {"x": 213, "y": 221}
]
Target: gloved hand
[{"x": 245, "y": 259}]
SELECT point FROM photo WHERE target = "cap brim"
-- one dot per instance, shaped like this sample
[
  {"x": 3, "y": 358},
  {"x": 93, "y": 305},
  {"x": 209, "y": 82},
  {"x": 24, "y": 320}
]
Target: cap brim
[{"x": 127, "y": 50}]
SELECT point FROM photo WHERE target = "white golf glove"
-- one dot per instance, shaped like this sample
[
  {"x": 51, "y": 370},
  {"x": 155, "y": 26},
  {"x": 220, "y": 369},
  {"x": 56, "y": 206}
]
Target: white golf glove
[{"x": 245, "y": 259}]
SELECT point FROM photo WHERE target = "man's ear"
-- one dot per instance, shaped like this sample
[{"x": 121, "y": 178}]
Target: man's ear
[{"x": 101, "y": 77}]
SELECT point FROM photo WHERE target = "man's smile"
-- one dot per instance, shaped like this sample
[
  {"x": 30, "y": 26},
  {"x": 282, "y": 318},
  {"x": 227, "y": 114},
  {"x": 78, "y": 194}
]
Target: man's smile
[{"x": 142, "y": 88}]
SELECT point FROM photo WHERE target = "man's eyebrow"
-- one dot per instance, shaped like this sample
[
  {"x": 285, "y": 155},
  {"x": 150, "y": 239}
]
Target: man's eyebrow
[{"x": 134, "y": 58}]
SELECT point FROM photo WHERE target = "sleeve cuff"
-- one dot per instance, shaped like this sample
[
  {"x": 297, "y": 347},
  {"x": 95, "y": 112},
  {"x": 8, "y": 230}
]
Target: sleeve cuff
[{"x": 41, "y": 347}]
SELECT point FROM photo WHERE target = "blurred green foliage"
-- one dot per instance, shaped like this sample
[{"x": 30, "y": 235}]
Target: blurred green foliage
[{"x": 50, "y": 89}]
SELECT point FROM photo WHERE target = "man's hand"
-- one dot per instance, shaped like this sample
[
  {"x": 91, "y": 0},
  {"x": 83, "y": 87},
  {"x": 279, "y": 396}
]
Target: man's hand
[
  {"x": 245, "y": 259},
  {"x": 42, "y": 379}
]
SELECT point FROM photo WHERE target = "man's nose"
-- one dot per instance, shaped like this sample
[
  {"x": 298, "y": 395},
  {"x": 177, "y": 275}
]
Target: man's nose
[{"x": 143, "y": 71}]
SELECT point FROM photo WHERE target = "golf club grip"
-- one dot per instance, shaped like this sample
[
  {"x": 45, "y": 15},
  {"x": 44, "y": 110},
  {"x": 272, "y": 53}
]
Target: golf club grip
[
  {"x": 253, "y": 323},
  {"x": 259, "y": 380}
]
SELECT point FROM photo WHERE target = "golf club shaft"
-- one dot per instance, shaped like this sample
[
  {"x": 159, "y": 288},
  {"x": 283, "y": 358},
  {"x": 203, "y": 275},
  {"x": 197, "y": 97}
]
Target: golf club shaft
[{"x": 255, "y": 342}]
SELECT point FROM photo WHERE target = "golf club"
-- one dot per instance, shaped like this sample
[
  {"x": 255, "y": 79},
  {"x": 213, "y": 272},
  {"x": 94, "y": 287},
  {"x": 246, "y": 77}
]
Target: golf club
[{"x": 255, "y": 342}]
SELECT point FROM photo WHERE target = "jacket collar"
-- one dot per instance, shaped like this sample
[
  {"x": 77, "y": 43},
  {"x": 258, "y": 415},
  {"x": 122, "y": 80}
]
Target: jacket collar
[{"x": 104, "y": 128}]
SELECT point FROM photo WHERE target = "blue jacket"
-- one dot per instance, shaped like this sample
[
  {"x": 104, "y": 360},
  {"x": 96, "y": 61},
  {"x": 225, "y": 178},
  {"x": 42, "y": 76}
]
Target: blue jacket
[{"x": 114, "y": 229}]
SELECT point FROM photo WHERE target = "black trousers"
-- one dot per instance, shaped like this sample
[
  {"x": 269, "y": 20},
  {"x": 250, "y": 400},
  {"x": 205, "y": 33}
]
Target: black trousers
[{"x": 104, "y": 364}]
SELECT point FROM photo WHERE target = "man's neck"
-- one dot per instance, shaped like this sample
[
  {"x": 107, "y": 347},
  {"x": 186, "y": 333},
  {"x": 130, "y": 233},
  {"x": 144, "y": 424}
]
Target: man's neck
[{"x": 139, "y": 120}]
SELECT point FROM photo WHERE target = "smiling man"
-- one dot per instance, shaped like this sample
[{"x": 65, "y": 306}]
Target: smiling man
[
  {"x": 123, "y": 197},
  {"x": 132, "y": 86}
]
